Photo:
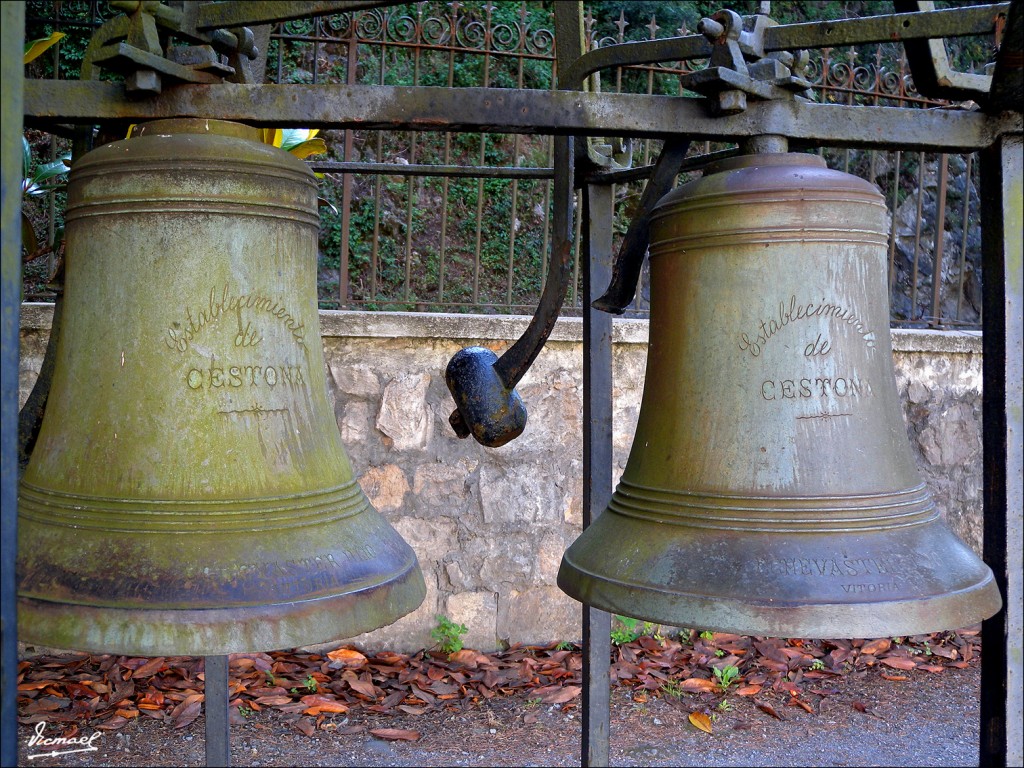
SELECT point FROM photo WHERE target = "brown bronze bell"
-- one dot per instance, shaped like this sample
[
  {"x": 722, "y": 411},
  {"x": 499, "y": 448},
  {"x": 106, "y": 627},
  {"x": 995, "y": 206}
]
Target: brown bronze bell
[
  {"x": 770, "y": 488},
  {"x": 189, "y": 492}
]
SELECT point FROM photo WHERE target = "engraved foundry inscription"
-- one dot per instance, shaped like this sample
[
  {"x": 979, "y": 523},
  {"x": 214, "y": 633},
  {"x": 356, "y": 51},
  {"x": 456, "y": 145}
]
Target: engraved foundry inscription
[
  {"x": 238, "y": 365},
  {"x": 181, "y": 333},
  {"x": 833, "y": 391},
  {"x": 793, "y": 312}
]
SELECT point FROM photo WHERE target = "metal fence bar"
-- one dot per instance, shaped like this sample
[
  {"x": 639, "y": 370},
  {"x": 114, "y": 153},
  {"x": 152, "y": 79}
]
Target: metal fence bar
[
  {"x": 216, "y": 706},
  {"x": 12, "y": 23},
  {"x": 1002, "y": 673},
  {"x": 599, "y": 211},
  {"x": 938, "y": 244}
]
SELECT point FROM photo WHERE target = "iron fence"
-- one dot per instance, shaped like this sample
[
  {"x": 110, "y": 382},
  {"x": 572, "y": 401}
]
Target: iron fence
[{"x": 442, "y": 221}]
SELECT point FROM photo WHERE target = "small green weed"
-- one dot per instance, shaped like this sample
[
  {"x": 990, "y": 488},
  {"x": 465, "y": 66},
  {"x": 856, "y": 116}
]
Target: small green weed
[
  {"x": 817, "y": 665},
  {"x": 707, "y": 635},
  {"x": 672, "y": 688},
  {"x": 725, "y": 705},
  {"x": 565, "y": 645},
  {"x": 245, "y": 712},
  {"x": 531, "y": 703},
  {"x": 310, "y": 683},
  {"x": 448, "y": 634},
  {"x": 726, "y": 676},
  {"x": 629, "y": 629}
]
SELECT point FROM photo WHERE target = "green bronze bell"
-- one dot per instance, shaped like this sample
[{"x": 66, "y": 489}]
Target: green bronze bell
[
  {"x": 189, "y": 492},
  {"x": 770, "y": 488}
]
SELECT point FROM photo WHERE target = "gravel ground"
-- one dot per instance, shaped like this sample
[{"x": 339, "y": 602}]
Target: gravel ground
[{"x": 927, "y": 720}]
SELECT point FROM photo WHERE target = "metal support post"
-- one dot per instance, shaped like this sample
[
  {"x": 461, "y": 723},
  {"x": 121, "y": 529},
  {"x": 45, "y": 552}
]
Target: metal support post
[
  {"x": 218, "y": 733},
  {"x": 12, "y": 24},
  {"x": 1003, "y": 253},
  {"x": 597, "y": 459}
]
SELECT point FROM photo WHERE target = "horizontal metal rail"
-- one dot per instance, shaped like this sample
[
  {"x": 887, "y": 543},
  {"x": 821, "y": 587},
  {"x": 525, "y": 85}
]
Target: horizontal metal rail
[
  {"x": 520, "y": 111},
  {"x": 432, "y": 169}
]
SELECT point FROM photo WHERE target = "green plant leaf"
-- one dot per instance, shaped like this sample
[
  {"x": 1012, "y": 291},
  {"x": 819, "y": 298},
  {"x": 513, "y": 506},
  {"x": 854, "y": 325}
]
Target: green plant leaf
[{"x": 35, "y": 48}]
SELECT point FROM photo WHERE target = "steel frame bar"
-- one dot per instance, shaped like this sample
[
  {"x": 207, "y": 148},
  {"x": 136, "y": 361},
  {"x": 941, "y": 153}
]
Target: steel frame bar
[
  {"x": 216, "y": 705},
  {"x": 12, "y": 21},
  {"x": 423, "y": 108},
  {"x": 1002, "y": 674},
  {"x": 599, "y": 213}
]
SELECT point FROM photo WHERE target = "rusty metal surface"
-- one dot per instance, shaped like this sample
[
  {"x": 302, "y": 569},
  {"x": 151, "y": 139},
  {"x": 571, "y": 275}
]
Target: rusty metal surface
[
  {"x": 555, "y": 112},
  {"x": 771, "y": 489},
  {"x": 820, "y": 34},
  {"x": 933, "y": 75},
  {"x": 189, "y": 493}
]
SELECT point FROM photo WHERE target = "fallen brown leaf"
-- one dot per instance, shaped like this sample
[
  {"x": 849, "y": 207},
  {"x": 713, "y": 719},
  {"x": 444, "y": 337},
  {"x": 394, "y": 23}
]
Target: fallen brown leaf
[
  {"x": 877, "y": 646},
  {"x": 768, "y": 709},
  {"x": 697, "y": 684},
  {"x": 395, "y": 734},
  {"x": 701, "y": 721},
  {"x": 187, "y": 713},
  {"x": 347, "y": 657},
  {"x": 900, "y": 662}
]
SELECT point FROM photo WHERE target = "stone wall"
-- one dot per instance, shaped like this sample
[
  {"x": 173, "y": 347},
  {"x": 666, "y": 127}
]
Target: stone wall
[{"x": 489, "y": 525}]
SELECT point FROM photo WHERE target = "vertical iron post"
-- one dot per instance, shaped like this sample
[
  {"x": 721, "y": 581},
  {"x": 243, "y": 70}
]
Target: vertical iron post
[
  {"x": 218, "y": 724},
  {"x": 598, "y": 214},
  {"x": 12, "y": 24},
  {"x": 570, "y": 44},
  {"x": 1002, "y": 675}
]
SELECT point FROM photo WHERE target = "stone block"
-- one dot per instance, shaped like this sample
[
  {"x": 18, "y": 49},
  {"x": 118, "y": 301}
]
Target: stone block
[
  {"x": 354, "y": 424},
  {"x": 403, "y": 416},
  {"x": 478, "y": 611},
  {"x": 385, "y": 486},
  {"x": 523, "y": 494},
  {"x": 550, "y": 614},
  {"x": 549, "y": 559},
  {"x": 356, "y": 380},
  {"x": 437, "y": 483}
]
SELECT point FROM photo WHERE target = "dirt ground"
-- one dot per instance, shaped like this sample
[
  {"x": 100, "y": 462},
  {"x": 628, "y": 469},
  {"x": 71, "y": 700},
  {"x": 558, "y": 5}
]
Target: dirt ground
[{"x": 865, "y": 720}]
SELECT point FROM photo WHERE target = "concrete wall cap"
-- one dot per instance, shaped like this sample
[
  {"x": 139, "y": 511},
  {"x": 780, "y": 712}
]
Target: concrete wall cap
[{"x": 469, "y": 328}]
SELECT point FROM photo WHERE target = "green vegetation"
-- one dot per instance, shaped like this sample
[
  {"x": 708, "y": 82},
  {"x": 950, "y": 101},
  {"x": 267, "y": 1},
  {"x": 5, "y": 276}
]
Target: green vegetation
[
  {"x": 448, "y": 634},
  {"x": 626, "y": 629},
  {"x": 725, "y": 676}
]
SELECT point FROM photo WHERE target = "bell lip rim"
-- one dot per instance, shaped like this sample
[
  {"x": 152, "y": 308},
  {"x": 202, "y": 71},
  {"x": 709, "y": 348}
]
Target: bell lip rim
[
  {"x": 979, "y": 601},
  {"x": 405, "y": 591}
]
